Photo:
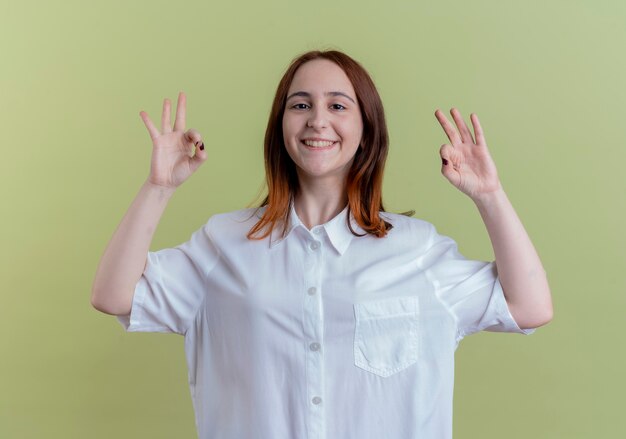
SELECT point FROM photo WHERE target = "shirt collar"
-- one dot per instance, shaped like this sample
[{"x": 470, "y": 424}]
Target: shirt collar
[{"x": 337, "y": 230}]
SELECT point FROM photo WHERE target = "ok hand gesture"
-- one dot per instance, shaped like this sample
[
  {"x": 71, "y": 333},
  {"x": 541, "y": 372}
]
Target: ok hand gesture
[
  {"x": 466, "y": 163},
  {"x": 173, "y": 159}
]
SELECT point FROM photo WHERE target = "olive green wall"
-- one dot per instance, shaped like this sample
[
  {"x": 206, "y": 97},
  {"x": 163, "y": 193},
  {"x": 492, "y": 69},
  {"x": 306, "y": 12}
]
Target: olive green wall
[{"x": 546, "y": 78}]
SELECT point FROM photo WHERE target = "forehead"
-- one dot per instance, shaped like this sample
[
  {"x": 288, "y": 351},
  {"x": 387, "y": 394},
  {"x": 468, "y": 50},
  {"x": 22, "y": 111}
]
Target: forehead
[{"x": 321, "y": 75}]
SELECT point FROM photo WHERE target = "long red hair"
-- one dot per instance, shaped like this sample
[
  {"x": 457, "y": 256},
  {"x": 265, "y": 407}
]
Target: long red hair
[{"x": 365, "y": 177}]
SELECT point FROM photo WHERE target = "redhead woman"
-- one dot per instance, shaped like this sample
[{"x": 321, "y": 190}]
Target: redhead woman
[{"x": 318, "y": 314}]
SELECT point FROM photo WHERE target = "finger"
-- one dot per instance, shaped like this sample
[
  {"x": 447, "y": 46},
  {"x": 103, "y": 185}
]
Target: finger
[
  {"x": 466, "y": 135},
  {"x": 193, "y": 137},
  {"x": 478, "y": 130},
  {"x": 446, "y": 152},
  {"x": 199, "y": 158},
  {"x": 181, "y": 112},
  {"x": 449, "y": 129},
  {"x": 154, "y": 133},
  {"x": 448, "y": 164},
  {"x": 165, "y": 117}
]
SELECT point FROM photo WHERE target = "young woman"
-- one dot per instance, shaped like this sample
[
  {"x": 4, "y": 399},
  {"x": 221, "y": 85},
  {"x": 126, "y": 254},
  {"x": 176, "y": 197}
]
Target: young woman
[{"x": 318, "y": 314}]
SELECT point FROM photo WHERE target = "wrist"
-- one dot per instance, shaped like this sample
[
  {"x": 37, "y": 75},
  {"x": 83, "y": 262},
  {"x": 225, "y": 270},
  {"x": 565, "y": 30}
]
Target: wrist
[
  {"x": 490, "y": 199},
  {"x": 163, "y": 191}
]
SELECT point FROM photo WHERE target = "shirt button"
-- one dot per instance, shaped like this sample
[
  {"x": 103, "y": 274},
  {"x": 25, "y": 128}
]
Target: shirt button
[
  {"x": 316, "y": 400},
  {"x": 317, "y": 231},
  {"x": 314, "y": 245},
  {"x": 315, "y": 346},
  {"x": 312, "y": 291}
]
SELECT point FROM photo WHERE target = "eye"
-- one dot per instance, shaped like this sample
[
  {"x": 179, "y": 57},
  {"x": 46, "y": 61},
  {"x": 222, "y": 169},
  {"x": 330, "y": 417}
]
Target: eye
[
  {"x": 299, "y": 106},
  {"x": 338, "y": 105}
]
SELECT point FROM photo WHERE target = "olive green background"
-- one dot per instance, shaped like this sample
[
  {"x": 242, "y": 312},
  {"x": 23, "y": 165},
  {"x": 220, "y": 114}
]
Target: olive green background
[{"x": 546, "y": 79}]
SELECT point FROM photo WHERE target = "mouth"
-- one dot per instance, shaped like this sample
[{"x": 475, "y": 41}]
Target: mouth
[{"x": 318, "y": 144}]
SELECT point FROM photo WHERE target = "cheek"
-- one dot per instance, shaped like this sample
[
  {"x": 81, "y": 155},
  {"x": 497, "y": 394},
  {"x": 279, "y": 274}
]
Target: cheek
[
  {"x": 356, "y": 122},
  {"x": 289, "y": 133},
  {"x": 284, "y": 127},
  {"x": 289, "y": 128},
  {"x": 356, "y": 131}
]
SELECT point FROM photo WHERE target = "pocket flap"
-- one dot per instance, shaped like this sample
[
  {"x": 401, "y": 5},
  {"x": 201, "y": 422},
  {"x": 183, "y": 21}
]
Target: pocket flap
[{"x": 386, "y": 307}]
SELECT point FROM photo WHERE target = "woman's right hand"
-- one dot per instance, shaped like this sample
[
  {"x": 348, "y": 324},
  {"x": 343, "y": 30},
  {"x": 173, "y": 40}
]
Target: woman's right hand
[{"x": 173, "y": 159}]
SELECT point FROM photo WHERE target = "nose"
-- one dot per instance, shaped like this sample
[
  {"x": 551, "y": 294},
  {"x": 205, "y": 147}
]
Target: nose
[{"x": 317, "y": 119}]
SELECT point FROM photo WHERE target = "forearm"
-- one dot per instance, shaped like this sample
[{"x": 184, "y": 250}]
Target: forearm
[
  {"x": 124, "y": 259},
  {"x": 520, "y": 270}
]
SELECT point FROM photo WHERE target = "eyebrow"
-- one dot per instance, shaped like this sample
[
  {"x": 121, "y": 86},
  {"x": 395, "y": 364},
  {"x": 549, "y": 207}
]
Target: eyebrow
[{"x": 328, "y": 93}]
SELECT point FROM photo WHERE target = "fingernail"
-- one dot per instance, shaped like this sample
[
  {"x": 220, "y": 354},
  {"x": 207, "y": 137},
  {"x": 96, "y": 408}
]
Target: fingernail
[
  {"x": 202, "y": 147},
  {"x": 444, "y": 161}
]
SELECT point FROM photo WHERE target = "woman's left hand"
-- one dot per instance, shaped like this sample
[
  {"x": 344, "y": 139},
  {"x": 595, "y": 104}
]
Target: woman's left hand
[{"x": 467, "y": 163}]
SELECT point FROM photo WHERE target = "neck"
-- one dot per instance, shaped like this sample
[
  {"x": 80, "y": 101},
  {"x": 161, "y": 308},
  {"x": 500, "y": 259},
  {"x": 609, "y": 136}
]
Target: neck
[{"x": 319, "y": 202}]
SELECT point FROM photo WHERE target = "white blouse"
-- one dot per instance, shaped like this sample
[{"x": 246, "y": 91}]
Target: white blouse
[{"x": 321, "y": 334}]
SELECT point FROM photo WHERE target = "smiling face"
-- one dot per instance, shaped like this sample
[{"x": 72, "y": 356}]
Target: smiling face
[{"x": 322, "y": 125}]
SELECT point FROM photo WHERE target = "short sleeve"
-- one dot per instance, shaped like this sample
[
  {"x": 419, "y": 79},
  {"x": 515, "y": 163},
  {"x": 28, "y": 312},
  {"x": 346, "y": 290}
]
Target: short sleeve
[
  {"x": 172, "y": 286},
  {"x": 470, "y": 289}
]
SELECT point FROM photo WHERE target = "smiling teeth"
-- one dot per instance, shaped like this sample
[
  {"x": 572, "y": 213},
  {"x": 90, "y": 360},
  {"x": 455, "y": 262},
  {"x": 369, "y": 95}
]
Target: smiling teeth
[{"x": 317, "y": 144}]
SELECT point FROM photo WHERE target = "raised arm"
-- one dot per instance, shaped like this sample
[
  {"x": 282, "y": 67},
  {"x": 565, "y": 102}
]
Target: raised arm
[
  {"x": 124, "y": 259},
  {"x": 467, "y": 164}
]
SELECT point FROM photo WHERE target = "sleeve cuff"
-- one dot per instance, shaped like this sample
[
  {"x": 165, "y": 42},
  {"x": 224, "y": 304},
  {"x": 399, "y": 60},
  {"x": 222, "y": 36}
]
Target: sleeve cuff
[
  {"x": 133, "y": 321},
  {"x": 508, "y": 322}
]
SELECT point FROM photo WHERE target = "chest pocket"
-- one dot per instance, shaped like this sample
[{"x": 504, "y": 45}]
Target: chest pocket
[{"x": 386, "y": 335}]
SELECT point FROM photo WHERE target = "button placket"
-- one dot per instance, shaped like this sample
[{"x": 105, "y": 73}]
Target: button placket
[{"x": 313, "y": 333}]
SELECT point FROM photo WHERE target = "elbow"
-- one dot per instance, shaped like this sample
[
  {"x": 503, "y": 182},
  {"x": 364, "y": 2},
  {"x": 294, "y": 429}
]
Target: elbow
[
  {"x": 547, "y": 313},
  {"x": 96, "y": 304},
  {"x": 536, "y": 321},
  {"x": 110, "y": 306},
  {"x": 96, "y": 297},
  {"x": 532, "y": 318},
  {"x": 548, "y": 318}
]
